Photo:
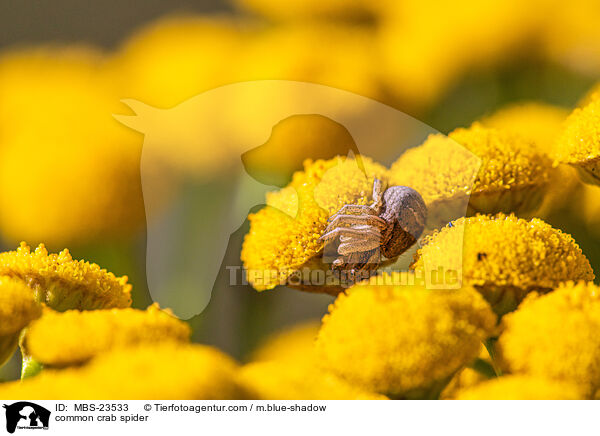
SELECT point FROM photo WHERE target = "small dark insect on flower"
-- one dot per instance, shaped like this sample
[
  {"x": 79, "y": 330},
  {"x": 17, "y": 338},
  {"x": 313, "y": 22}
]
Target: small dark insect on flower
[{"x": 388, "y": 227}]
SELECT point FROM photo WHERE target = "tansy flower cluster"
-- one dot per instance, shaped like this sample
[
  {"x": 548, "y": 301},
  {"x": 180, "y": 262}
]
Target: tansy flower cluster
[
  {"x": 443, "y": 172},
  {"x": 538, "y": 123},
  {"x": 298, "y": 381},
  {"x": 494, "y": 300},
  {"x": 477, "y": 169},
  {"x": 524, "y": 286},
  {"x": 74, "y": 337},
  {"x": 516, "y": 387},
  {"x": 63, "y": 283},
  {"x": 554, "y": 336},
  {"x": 18, "y": 307},
  {"x": 579, "y": 143},
  {"x": 393, "y": 336},
  {"x": 363, "y": 341},
  {"x": 284, "y": 236},
  {"x": 293, "y": 344},
  {"x": 167, "y": 370},
  {"x": 541, "y": 124},
  {"x": 505, "y": 257},
  {"x": 513, "y": 171}
]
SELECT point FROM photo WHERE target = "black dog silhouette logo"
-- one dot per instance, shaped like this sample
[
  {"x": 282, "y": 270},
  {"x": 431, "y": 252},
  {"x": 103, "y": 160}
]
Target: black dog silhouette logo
[{"x": 26, "y": 415}]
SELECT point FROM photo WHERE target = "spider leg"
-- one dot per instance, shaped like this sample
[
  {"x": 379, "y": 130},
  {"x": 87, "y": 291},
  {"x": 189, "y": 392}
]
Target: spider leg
[
  {"x": 374, "y": 258},
  {"x": 349, "y": 220},
  {"x": 353, "y": 244},
  {"x": 364, "y": 265},
  {"x": 378, "y": 190},
  {"x": 350, "y": 231},
  {"x": 338, "y": 262},
  {"x": 353, "y": 209}
]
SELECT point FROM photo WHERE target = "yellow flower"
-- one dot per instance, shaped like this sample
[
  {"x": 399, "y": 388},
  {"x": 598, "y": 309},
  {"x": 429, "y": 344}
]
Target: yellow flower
[
  {"x": 63, "y": 283},
  {"x": 404, "y": 341},
  {"x": 284, "y": 236},
  {"x": 579, "y": 143},
  {"x": 177, "y": 58},
  {"x": 18, "y": 308},
  {"x": 165, "y": 371},
  {"x": 73, "y": 337},
  {"x": 303, "y": 52},
  {"x": 570, "y": 35},
  {"x": 293, "y": 344},
  {"x": 517, "y": 387},
  {"x": 428, "y": 46},
  {"x": 292, "y": 381},
  {"x": 539, "y": 123},
  {"x": 513, "y": 173},
  {"x": 555, "y": 336},
  {"x": 57, "y": 125},
  {"x": 505, "y": 257},
  {"x": 443, "y": 172}
]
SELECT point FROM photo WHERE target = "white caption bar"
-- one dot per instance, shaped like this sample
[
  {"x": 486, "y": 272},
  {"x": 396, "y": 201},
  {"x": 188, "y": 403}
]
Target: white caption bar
[{"x": 298, "y": 417}]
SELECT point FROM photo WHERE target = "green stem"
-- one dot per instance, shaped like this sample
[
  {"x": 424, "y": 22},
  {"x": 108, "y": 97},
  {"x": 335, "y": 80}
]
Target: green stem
[
  {"x": 8, "y": 346},
  {"x": 490, "y": 344},
  {"x": 484, "y": 368}
]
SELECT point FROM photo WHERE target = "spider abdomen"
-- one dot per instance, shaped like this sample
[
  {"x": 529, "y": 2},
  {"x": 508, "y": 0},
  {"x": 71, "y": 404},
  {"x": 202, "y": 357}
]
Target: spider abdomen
[{"x": 406, "y": 214}]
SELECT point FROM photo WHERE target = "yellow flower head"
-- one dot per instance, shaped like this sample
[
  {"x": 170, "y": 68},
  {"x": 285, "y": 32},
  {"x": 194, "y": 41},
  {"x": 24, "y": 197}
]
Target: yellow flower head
[
  {"x": 570, "y": 35},
  {"x": 166, "y": 371},
  {"x": 284, "y": 236},
  {"x": 18, "y": 308},
  {"x": 57, "y": 125},
  {"x": 303, "y": 52},
  {"x": 293, "y": 344},
  {"x": 161, "y": 62},
  {"x": 405, "y": 341},
  {"x": 579, "y": 143},
  {"x": 63, "y": 283},
  {"x": 513, "y": 171},
  {"x": 515, "y": 387},
  {"x": 442, "y": 171},
  {"x": 505, "y": 257},
  {"x": 293, "y": 381},
  {"x": 74, "y": 337},
  {"x": 539, "y": 123},
  {"x": 555, "y": 336},
  {"x": 427, "y": 46}
]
